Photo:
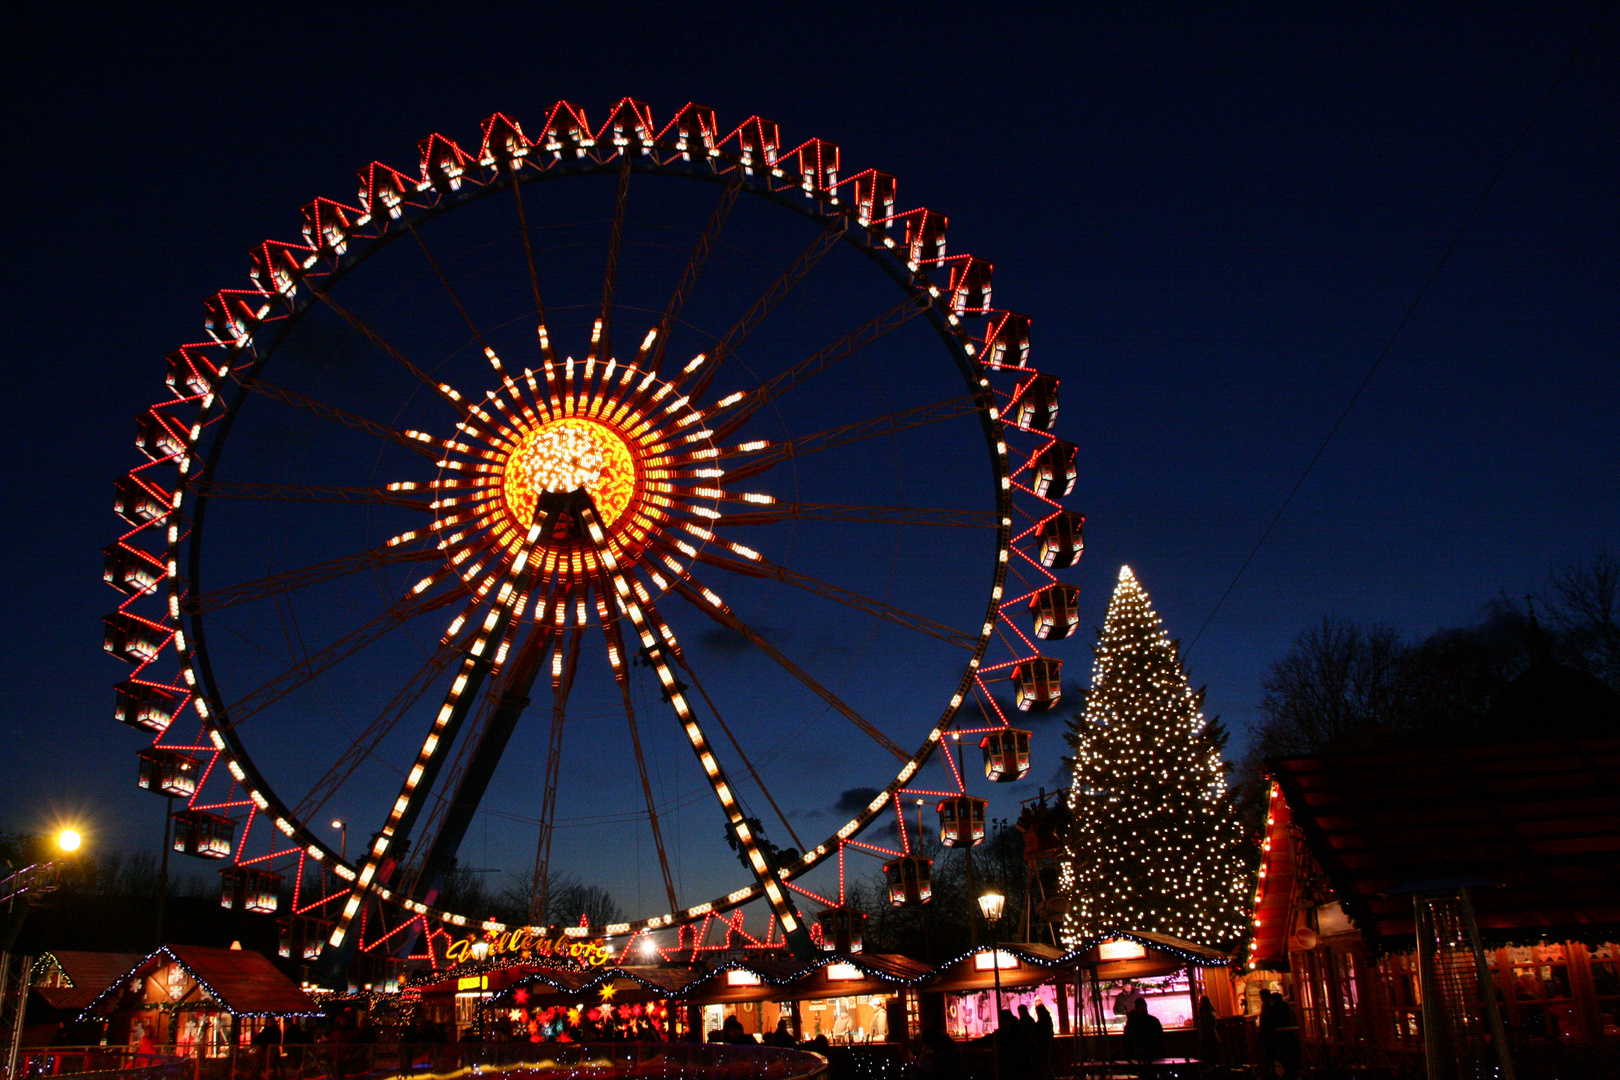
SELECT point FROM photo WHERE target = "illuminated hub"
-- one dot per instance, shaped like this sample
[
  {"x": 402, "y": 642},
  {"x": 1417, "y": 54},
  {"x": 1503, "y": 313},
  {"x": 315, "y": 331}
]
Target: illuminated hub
[
  {"x": 628, "y": 439},
  {"x": 566, "y": 455}
]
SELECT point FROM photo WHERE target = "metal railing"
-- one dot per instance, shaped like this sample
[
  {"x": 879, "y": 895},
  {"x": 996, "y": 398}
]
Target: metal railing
[
  {"x": 433, "y": 1061},
  {"x": 107, "y": 1061}
]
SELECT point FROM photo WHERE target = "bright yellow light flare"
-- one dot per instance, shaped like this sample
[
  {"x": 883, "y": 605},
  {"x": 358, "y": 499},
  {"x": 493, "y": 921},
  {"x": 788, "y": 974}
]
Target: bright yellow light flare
[
  {"x": 69, "y": 840},
  {"x": 565, "y": 455}
]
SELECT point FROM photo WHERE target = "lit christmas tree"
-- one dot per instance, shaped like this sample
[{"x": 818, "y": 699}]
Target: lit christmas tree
[{"x": 1156, "y": 843}]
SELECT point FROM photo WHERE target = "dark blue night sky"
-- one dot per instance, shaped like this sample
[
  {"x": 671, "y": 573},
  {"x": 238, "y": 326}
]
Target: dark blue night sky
[{"x": 1218, "y": 215}]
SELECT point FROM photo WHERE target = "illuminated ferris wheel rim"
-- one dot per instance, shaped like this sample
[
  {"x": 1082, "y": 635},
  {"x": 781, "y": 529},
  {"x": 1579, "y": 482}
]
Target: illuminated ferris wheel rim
[{"x": 817, "y": 204}]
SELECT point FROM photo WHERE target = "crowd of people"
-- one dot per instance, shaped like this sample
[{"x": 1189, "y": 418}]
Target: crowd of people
[{"x": 1022, "y": 1044}]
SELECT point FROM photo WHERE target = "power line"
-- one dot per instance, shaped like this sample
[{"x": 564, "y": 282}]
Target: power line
[{"x": 1395, "y": 335}]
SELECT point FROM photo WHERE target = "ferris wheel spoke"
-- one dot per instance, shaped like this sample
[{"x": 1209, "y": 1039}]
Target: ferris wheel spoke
[
  {"x": 728, "y": 619},
  {"x": 848, "y": 345},
  {"x": 657, "y": 648},
  {"x": 444, "y": 281},
  {"x": 621, "y": 675},
  {"x": 450, "y": 397},
  {"x": 564, "y": 667},
  {"x": 601, "y": 346},
  {"x": 504, "y": 704},
  {"x": 534, "y": 272},
  {"x": 771, "y": 455},
  {"x": 694, "y": 266},
  {"x": 878, "y": 515},
  {"x": 304, "y": 576},
  {"x": 737, "y": 746},
  {"x": 764, "y": 568},
  {"x": 229, "y": 489},
  {"x": 365, "y": 745},
  {"x": 318, "y": 663},
  {"x": 774, "y": 294},
  {"x": 320, "y": 408}
]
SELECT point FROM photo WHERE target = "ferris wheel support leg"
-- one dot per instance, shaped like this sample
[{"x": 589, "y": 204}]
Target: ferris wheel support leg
[
  {"x": 391, "y": 840},
  {"x": 794, "y": 930},
  {"x": 469, "y": 794}
]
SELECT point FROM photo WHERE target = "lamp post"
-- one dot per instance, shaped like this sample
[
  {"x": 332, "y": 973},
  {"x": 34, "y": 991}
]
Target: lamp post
[
  {"x": 991, "y": 904},
  {"x": 343, "y": 839}
]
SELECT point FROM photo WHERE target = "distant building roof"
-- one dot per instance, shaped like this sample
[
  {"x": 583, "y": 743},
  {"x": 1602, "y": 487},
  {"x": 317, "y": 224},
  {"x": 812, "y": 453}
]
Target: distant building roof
[
  {"x": 1537, "y": 825},
  {"x": 244, "y": 983}
]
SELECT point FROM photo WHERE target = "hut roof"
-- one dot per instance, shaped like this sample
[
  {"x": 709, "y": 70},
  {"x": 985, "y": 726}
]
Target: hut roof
[
  {"x": 1534, "y": 828},
  {"x": 87, "y": 974},
  {"x": 243, "y": 982}
]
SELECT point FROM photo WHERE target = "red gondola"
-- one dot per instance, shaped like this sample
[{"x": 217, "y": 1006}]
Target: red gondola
[
  {"x": 133, "y": 639},
  {"x": 301, "y": 937},
  {"x": 149, "y": 708},
  {"x": 243, "y": 888},
  {"x": 1055, "y": 610},
  {"x": 205, "y": 835},
  {"x": 1039, "y": 682},
  {"x": 1055, "y": 471},
  {"x": 842, "y": 929},
  {"x": 1035, "y": 403},
  {"x": 1006, "y": 754},
  {"x": 130, "y": 570},
  {"x": 911, "y": 880},
  {"x": 1062, "y": 540},
  {"x": 169, "y": 772},
  {"x": 961, "y": 821}
]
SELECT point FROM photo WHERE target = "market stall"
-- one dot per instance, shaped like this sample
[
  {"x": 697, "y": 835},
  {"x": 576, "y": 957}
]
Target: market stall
[{"x": 202, "y": 1001}]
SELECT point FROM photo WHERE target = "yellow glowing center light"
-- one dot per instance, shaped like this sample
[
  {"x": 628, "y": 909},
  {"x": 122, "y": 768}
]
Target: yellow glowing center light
[{"x": 565, "y": 455}]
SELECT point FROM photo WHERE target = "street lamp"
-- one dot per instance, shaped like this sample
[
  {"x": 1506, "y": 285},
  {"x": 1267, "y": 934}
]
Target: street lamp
[
  {"x": 69, "y": 840},
  {"x": 991, "y": 904},
  {"x": 343, "y": 831}
]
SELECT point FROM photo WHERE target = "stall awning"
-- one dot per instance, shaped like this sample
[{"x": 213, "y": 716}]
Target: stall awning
[
  {"x": 838, "y": 974},
  {"x": 743, "y": 980},
  {"x": 629, "y": 982},
  {"x": 1020, "y": 964},
  {"x": 1142, "y": 954}
]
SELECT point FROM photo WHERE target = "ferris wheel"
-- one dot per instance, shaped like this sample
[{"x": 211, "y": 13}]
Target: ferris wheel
[{"x": 603, "y": 505}]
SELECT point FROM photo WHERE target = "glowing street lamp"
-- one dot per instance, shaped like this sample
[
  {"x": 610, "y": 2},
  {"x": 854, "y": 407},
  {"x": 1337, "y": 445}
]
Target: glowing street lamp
[
  {"x": 991, "y": 905},
  {"x": 343, "y": 830},
  {"x": 69, "y": 840}
]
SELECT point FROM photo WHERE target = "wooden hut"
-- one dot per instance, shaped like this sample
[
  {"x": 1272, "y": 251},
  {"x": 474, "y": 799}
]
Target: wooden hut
[
  {"x": 1531, "y": 830},
  {"x": 201, "y": 1000}
]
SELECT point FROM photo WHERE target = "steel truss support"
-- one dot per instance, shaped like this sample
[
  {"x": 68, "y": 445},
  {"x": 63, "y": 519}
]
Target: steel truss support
[
  {"x": 516, "y": 682},
  {"x": 656, "y": 647},
  {"x": 394, "y": 836}
]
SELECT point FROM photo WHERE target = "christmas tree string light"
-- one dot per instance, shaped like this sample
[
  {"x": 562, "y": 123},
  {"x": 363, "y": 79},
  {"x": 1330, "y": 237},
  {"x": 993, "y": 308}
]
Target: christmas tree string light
[{"x": 1156, "y": 844}]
